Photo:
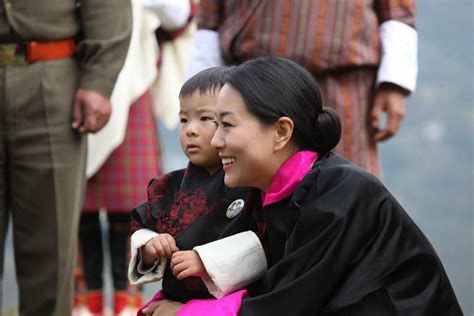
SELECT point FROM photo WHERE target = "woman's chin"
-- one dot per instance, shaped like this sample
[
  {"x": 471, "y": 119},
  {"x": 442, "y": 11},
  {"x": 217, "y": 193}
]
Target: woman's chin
[{"x": 230, "y": 182}]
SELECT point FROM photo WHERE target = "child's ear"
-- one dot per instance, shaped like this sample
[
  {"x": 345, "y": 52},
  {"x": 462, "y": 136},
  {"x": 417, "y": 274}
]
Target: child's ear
[{"x": 283, "y": 132}]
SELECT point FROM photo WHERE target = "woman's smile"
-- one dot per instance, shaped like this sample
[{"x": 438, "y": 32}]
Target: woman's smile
[{"x": 227, "y": 162}]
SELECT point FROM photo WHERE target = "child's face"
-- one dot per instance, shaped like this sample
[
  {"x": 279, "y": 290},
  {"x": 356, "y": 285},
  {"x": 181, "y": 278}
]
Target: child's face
[{"x": 197, "y": 127}]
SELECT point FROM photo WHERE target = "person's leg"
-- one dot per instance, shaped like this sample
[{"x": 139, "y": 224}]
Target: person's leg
[
  {"x": 79, "y": 283},
  {"x": 119, "y": 234},
  {"x": 90, "y": 236},
  {"x": 4, "y": 183},
  {"x": 350, "y": 93},
  {"x": 47, "y": 167}
]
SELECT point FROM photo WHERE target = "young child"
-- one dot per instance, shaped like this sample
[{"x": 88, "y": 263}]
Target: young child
[{"x": 190, "y": 207}]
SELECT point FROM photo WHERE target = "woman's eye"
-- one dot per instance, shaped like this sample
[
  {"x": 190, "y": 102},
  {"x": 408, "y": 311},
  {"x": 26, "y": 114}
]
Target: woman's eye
[
  {"x": 206, "y": 118},
  {"x": 226, "y": 124}
]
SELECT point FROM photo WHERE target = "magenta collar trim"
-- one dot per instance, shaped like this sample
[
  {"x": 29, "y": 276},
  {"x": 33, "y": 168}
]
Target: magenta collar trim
[{"x": 291, "y": 172}]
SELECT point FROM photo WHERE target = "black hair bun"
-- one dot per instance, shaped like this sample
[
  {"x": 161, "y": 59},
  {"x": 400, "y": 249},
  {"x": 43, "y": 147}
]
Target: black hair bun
[{"x": 328, "y": 130}]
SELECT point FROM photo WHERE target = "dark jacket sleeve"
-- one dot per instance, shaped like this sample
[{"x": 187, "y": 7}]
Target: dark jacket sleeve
[{"x": 315, "y": 267}]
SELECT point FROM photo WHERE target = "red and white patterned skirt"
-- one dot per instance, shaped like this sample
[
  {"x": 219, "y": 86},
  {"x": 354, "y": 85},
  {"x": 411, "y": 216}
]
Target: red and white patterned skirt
[{"x": 121, "y": 183}]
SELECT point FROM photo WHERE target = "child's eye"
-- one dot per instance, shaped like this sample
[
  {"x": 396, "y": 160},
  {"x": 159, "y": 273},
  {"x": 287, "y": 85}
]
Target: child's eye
[
  {"x": 183, "y": 120},
  {"x": 206, "y": 118}
]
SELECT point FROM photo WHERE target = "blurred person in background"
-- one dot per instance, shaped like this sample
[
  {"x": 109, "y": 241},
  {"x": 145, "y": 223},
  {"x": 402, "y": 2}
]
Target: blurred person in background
[
  {"x": 362, "y": 53},
  {"x": 124, "y": 156},
  {"x": 58, "y": 65}
]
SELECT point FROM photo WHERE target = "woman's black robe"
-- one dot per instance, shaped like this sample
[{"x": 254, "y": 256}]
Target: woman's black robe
[{"x": 342, "y": 245}]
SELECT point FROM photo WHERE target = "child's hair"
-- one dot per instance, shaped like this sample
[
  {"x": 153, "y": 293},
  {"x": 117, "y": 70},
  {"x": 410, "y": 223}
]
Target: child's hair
[
  {"x": 273, "y": 87},
  {"x": 207, "y": 80}
]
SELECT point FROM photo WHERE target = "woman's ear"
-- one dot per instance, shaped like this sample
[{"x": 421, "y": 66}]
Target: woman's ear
[{"x": 284, "y": 130}]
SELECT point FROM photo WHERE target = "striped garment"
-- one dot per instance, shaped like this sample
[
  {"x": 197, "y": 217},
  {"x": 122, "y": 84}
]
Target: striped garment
[
  {"x": 336, "y": 40},
  {"x": 350, "y": 94},
  {"x": 121, "y": 183}
]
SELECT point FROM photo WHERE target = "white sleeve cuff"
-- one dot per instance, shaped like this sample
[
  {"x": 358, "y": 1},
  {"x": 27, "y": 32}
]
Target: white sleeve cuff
[
  {"x": 399, "y": 45},
  {"x": 205, "y": 52},
  {"x": 173, "y": 14},
  {"x": 232, "y": 263},
  {"x": 138, "y": 275}
]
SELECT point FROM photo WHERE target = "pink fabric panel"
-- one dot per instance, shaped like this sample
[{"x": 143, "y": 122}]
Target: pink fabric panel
[
  {"x": 226, "y": 306},
  {"x": 290, "y": 174}
]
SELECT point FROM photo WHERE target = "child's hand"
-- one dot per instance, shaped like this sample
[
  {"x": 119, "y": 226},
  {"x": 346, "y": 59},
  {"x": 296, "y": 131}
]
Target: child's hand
[
  {"x": 150, "y": 309},
  {"x": 162, "y": 308},
  {"x": 162, "y": 246},
  {"x": 187, "y": 263}
]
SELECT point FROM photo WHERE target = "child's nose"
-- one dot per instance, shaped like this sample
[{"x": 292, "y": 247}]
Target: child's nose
[{"x": 191, "y": 130}]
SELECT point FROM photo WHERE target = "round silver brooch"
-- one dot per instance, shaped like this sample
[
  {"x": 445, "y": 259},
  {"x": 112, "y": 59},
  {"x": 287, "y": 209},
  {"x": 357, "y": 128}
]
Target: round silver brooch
[{"x": 235, "y": 208}]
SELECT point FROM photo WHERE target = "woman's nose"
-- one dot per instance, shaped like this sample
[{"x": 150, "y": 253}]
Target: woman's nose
[{"x": 217, "y": 140}]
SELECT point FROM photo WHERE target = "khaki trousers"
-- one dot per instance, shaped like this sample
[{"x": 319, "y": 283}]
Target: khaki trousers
[{"x": 42, "y": 166}]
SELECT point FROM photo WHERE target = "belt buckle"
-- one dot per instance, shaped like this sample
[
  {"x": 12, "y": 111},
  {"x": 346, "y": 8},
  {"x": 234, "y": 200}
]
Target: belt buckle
[{"x": 12, "y": 54}]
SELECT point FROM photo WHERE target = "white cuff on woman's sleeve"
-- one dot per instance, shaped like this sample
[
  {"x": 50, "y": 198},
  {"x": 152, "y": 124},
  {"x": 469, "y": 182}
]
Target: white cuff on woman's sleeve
[
  {"x": 136, "y": 273},
  {"x": 399, "y": 45},
  {"x": 232, "y": 263},
  {"x": 205, "y": 52}
]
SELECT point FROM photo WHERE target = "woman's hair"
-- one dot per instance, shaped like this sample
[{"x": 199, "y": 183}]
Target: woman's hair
[
  {"x": 273, "y": 87},
  {"x": 207, "y": 80}
]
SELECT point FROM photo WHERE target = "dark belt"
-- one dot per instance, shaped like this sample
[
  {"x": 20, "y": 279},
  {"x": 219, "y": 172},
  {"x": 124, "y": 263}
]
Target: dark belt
[{"x": 30, "y": 52}]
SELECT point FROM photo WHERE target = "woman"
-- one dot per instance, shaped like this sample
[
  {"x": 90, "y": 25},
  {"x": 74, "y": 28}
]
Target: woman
[{"x": 338, "y": 242}]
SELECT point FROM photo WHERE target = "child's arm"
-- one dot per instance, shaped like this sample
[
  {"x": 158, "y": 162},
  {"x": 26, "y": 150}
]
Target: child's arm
[
  {"x": 143, "y": 223},
  {"x": 225, "y": 265},
  {"x": 137, "y": 273},
  {"x": 187, "y": 263},
  {"x": 161, "y": 246},
  {"x": 150, "y": 252}
]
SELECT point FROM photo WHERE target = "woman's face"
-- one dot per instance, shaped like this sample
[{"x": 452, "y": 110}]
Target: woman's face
[{"x": 245, "y": 145}]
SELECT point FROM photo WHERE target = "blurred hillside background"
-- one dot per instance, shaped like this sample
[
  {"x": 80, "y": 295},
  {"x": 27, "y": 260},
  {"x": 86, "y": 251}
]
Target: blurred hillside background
[{"x": 429, "y": 165}]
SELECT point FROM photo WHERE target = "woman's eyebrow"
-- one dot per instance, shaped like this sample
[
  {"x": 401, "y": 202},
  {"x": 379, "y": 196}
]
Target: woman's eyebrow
[{"x": 223, "y": 114}]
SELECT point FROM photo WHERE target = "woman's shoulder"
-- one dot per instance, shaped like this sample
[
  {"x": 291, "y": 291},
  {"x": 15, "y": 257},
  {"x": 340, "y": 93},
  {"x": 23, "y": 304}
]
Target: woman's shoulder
[
  {"x": 333, "y": 169},
  {"x": 338, "y": 186}
]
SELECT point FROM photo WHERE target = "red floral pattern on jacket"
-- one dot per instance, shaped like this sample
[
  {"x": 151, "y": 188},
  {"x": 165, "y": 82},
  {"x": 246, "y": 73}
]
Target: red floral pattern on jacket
[{"x": 188, "y": 207}]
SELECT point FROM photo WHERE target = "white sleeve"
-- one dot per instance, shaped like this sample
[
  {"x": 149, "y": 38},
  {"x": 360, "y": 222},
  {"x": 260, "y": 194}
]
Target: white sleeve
[
  {"x": 399, "y": 45},
  {"x": 205, "y": 53},
  {"x": 136, "y": 273},
  {"x": 232, "y": 263},
  {"x": 173, "y": 14}
]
